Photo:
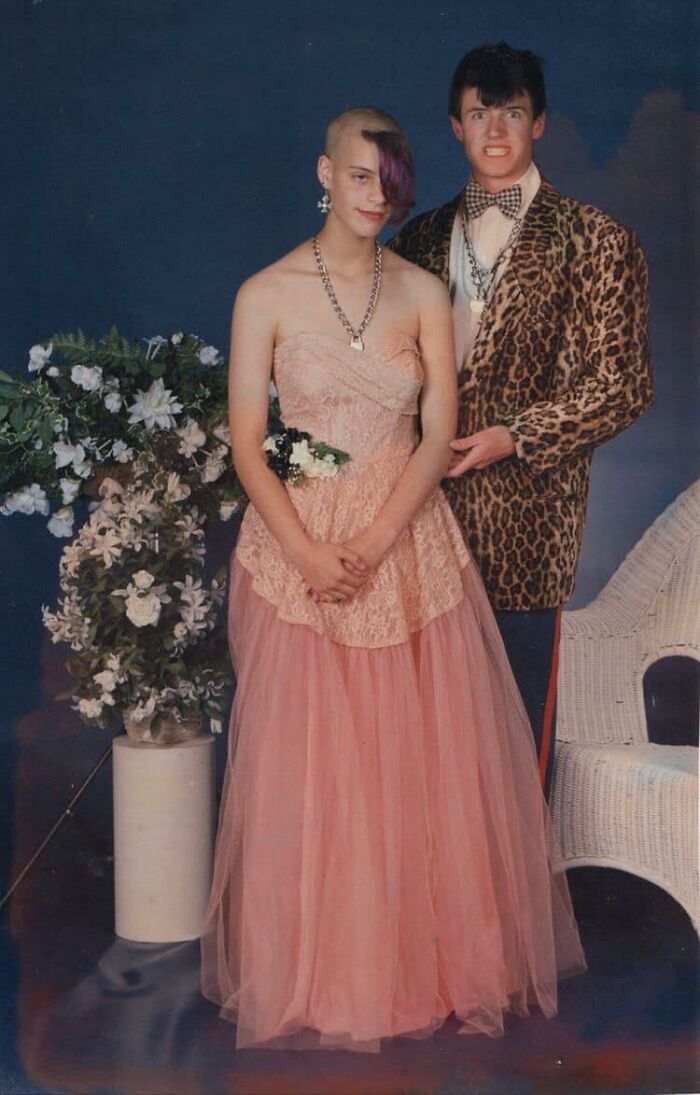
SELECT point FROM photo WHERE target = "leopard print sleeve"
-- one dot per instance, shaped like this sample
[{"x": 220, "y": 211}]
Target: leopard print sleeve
[{"x": 603, "y": 371}]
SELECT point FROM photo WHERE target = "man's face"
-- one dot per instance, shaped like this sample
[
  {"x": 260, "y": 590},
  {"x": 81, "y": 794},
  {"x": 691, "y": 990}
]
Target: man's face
[{"x": 497, "y": 140}]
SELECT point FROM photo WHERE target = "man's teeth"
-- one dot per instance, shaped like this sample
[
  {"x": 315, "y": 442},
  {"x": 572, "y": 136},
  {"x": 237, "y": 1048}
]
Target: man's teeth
[{"x": 496, "y": 151}]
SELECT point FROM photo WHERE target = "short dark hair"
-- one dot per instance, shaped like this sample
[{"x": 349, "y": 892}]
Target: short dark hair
[{"x": 498, "y": 72}]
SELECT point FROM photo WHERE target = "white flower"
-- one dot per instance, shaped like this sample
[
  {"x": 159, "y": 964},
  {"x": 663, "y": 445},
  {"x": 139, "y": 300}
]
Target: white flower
[
  {"x": 107, "y": 546},
  {"x": 38, "y": 356},
  {"x": 180, "y": 631},
  {"x": 143, "y": 611},
  {"x": 90, "y": 709},
  {"x": 213, "y": 469},
  {"x": 83, "y": 468},
  {"x": 87, "y": 377},
  {"x": 60, "y": 424},
  {"x": 61, "y": 524},
  {"x": 195, "y": 607},
  {"x": 192, "y": 438},
  {"x": 144, "y": 710},
  {"x": 69, "y": 490},
  {"x": 191, "y": 588},
  {"x": 270, "y": 443},
  {"x": 156, "y": 407},
  {"x": 190, "y": 527},
  {"x": 143, "y": 579},
  {"x": 71, "y": 558},
  {"x": 139, "y": 507},
  {"x": 216, "y": 726},
  {"x": 52, "y": 371},
  {"x": 58, "y": 628},
  {"x": 110, "y": 487},
  {"x": 106, "y": 680},
  {"x": 217, "y": 591},
  {"x": 121, "y": 452},
  {"x": 113, "y": 672},
  {"x": 66, "y": 453},
  {"x": 153, "y": 345},
  {"x": 113, "y": 400},
  {"x": 176, "y": 339},
  {"x": 221, "y": 432},
  {"x": 187, "y": 690},
  {"x": 301, "y": 455},
  {"x": 38, "y": 445},
  {"x": 227, "y": 509},
  {"x": 209, "y": 355},
  {"x": 176, "y": 490},
  {"x": 140, "y": 605},
  {"x": 323, "y": 467},
  {"x": 28, "y": 500}
]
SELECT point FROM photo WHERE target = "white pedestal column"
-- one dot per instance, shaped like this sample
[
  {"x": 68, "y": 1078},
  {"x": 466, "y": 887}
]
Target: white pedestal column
[{"x": 163, "y": 838}]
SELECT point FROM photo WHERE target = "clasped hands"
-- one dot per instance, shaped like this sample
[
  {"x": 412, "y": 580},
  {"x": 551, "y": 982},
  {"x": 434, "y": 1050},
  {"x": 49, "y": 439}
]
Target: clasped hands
[{"x": 334, "y": 573}]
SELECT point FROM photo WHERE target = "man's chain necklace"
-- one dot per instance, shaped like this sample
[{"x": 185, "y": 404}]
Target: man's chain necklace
[{"x": 483, "y": 279}]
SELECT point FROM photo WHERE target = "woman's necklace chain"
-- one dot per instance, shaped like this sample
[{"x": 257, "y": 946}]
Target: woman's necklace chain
[
  {"x": 355, "y": 334},
  {"x": 483, "y": 279}
]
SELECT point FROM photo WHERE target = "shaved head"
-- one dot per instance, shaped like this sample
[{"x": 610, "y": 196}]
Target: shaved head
[
  {"x": 395, "y": 162},
  {"x": 355, "y": 120}
]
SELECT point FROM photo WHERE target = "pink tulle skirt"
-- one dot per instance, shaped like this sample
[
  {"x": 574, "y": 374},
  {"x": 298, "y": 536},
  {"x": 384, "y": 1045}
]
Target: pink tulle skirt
[{"x": 384, "y": 857}]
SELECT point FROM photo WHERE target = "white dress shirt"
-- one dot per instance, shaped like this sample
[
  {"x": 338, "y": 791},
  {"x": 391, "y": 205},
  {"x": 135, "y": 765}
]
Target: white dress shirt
[{"x": 488, "y": 235}]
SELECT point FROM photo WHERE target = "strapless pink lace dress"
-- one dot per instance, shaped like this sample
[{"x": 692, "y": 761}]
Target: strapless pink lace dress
[{"x": 384, "y": 855}]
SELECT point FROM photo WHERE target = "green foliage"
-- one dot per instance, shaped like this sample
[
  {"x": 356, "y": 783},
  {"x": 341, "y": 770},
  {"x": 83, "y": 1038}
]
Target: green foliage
[
  {"x": 75, "y": 347},
  {"x": 52, "y": 405}
]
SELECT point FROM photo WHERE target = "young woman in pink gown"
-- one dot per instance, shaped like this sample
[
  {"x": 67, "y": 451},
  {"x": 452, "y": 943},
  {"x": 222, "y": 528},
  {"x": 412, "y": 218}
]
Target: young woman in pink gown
[{"x": 384, "y": 855}]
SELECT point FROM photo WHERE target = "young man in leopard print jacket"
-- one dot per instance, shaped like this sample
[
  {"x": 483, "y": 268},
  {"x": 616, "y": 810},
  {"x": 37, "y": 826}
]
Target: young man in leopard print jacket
[{"x": 550, "y": 307}]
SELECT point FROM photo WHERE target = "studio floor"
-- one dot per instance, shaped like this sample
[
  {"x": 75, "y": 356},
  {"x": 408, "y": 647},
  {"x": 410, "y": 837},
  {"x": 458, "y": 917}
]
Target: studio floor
[{"x": 85, "y": 1012}]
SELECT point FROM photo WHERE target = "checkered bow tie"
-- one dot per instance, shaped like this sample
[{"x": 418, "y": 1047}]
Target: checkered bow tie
[{"x": 477, "y": 200}]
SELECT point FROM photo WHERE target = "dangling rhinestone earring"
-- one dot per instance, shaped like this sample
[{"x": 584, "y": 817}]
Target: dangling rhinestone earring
[{"x": 325, "y": 204}]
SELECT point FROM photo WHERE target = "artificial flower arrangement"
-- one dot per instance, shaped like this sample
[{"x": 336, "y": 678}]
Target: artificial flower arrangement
[
  {"x": 143, "y": 626},
  {"x": 93, "y": 405},
  {"x": 142, "y": 433}
]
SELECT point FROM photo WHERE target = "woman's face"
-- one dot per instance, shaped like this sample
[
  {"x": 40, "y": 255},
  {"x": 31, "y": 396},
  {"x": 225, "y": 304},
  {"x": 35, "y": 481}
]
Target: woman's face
[{"x": 351, "y": 177}]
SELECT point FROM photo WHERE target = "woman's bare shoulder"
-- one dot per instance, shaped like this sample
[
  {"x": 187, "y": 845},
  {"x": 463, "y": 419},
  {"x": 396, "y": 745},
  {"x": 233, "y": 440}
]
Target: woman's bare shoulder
[{"x": 267, "y": 284}]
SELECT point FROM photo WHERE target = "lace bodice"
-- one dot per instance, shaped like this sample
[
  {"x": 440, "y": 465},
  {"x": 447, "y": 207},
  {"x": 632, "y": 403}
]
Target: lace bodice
[
  {"x": 356, "y": 401},
  {"x": 367, "y": 404}
]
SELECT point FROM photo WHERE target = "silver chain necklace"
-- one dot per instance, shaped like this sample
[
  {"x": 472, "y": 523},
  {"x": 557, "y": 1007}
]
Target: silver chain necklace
[
  {"x": 483, "y": 279},
  {"x": 355, "y": 334}
]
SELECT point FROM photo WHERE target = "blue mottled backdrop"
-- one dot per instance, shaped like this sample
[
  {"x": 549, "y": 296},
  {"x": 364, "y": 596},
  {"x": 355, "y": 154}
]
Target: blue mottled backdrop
[{"x": 156, "y": 152}]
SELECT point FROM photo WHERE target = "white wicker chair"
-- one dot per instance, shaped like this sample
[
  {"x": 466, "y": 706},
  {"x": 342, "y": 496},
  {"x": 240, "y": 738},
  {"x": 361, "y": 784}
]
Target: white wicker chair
[{"x": 617, "y": 799}]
